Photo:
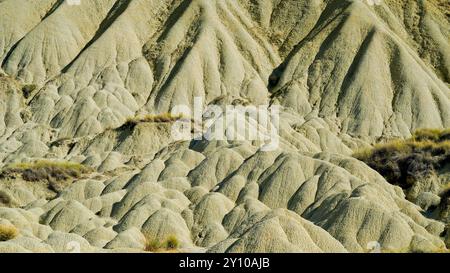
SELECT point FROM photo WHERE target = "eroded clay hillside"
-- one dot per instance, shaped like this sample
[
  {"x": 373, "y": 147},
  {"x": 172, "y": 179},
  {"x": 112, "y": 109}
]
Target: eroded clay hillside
[{"x": 80, "y": 169}]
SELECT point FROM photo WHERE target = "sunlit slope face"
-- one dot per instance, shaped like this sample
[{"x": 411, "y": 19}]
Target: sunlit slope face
[
  {"x": 362, "y": 66},
  {"x": 376, "y": 70},
  {"x": 78, "y": 83}
]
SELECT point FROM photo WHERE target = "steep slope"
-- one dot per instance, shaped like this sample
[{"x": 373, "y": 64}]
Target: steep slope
[{"x": 354, "y": 69}]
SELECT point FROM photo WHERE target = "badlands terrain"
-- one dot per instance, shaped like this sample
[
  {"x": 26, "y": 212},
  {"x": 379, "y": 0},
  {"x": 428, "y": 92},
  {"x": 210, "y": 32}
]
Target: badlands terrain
[{"x": 84, "y": 167}]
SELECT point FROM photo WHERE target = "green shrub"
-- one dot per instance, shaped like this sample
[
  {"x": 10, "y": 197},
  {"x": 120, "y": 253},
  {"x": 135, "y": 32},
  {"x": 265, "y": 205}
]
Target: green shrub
[{"x": 8, "y": 232}]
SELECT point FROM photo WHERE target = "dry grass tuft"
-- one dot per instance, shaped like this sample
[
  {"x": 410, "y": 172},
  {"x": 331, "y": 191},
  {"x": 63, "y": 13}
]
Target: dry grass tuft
[
  {"x": 8, "y": 232},
  {"x": 5, "y": 199},
  {"x": 402, "y": 162},
  {"x": 43, "y": 169},
  {"x": 435, "y": 135},
  {"x": 160, "y": 118},
  {"x": 28, "y": 89},
  {"x": 58, "y": 173},
  {"x": 404, "y": 147},
  {"x": 171, "y": 243}
]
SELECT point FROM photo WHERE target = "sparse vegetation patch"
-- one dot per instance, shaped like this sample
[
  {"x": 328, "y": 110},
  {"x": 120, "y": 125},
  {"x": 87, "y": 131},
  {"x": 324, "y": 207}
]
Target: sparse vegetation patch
[
  {"x": 165, "y": 117},
  {"x": 416, "y": 164},
  {"x": 8, "y": 232},
  {"x": 160, "y": 118},
  {"x": 401, "y": 162},
  {"x": 171, "y": 243},
  {"x": 57, "y": 173},
  {"x": 5, "y": 199},
  {"x": 28, "y": 89}
]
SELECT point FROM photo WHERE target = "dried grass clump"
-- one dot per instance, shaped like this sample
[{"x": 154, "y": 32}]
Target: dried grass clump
[
  {"x": 8, "y": 232},
  {"x": 5, "y": 199},
  {"x": 55, "y": 172},
  {"x": 171, "y": 243},
  {"x": 28, "y": 89},
  {"x": 160, "y": 118},
  {"x": 435, "y": 135},
  {"x": 402, "y": 162}
]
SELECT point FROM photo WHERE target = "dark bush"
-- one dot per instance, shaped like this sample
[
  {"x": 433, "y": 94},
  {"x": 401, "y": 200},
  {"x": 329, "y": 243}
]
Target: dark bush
[{"x": 28, "y": 89}]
